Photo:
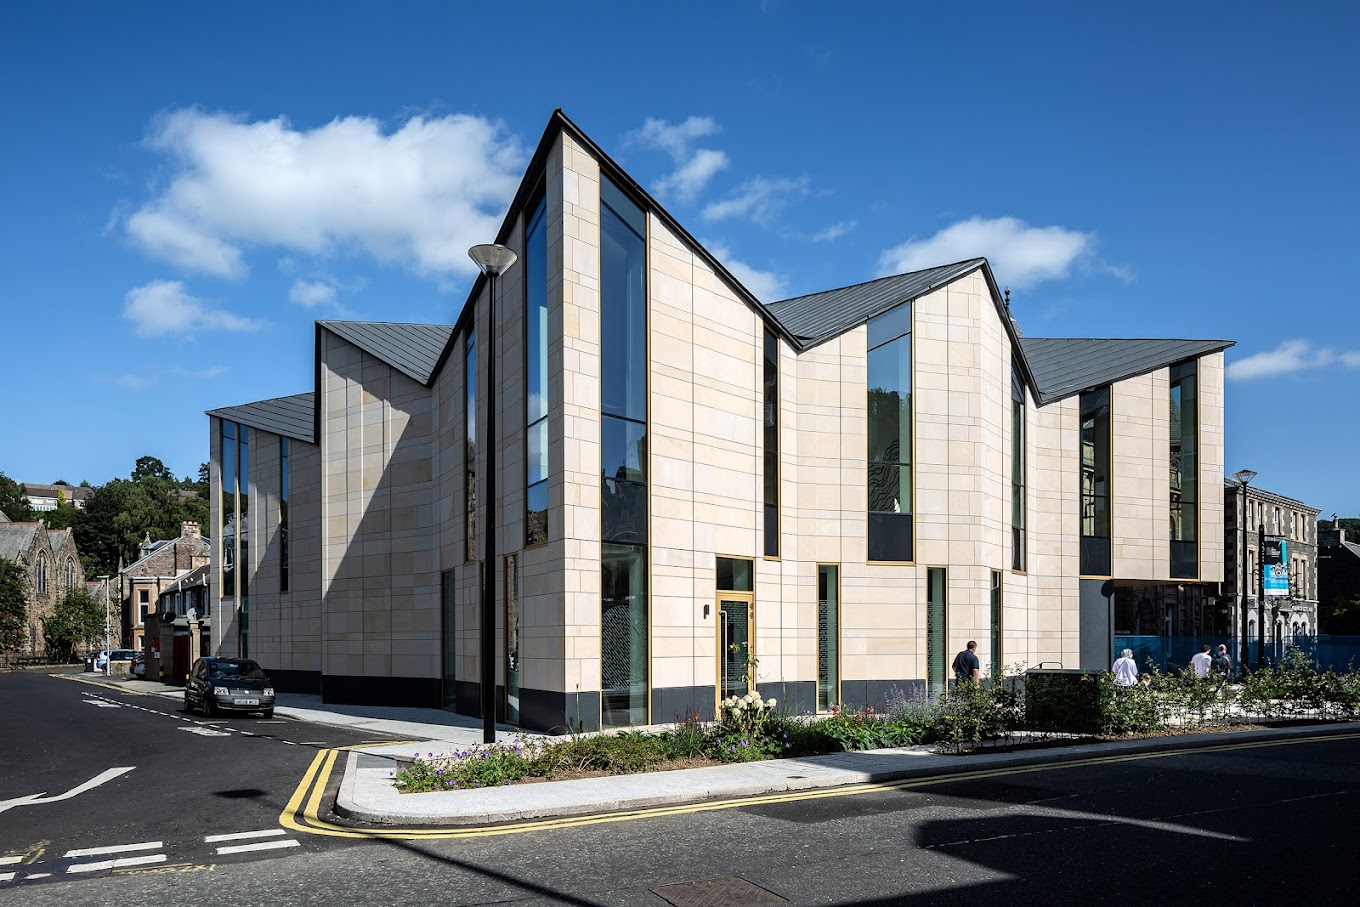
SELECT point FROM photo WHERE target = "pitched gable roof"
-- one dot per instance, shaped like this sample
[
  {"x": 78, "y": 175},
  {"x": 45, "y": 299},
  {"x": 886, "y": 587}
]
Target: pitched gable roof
[
  {"x": 291, "y": 417},
  {"x": 1063, "y": 367},
  {"x": 3, "y": 518},
  {"x": 818, "y": 317},
  {"x": 415, "y": 350},
  {"x": 16, "y": 539}
]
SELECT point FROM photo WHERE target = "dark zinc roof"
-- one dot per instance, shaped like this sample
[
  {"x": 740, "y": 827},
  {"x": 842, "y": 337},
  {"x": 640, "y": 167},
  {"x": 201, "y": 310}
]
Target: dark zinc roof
[
  {"x": 1065, "y": 366},
  {"x": 415, "y": 350},
  {"x": 821, "y": 316},
  {"x": 291, "y": 417}
]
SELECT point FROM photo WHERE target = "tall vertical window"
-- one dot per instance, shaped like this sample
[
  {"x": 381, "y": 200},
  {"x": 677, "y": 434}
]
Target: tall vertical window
[
  {"x": 470, "y": 445},
  {"x": 623, "y": 448},
  {"x": 828, "y": 636},
  {"x": 1017, "y": 471},
  {"x": 284, "y": 482},
  {"x": 996, "y": 656},
  {"x": 536, "y": 368},
  {"x": 890, "y": 480},
  {"x": 937, "y": 629},
  {"x": 243, "y": 512},
  {"x": 771, "y": 444},
  {"x": 40, "y": 573},
  {"x": 70, "y": 573},
  {"x": 1095, "y": 482},
  {"x": 1184, "y": 417},
  {"x": 512, "y": 659},
  {"x": 227, "y": 531}
]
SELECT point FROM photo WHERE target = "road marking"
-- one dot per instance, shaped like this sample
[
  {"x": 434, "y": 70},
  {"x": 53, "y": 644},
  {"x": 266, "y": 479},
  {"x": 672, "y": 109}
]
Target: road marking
[
  {"x": 117, "y": 864},
  {"x": 306, "y": 819},
  {"x": 6, "y": 876},
  {"x": 116, "y": 848},
  {"x": 241, "y": 835},
  {"x": 262, "y": 845},
  {"x": 101, "y": 703},
  {"x": 205, "y": 732},
  {"x": 9, "y": 861},
  {"x": 97, "y": 683},
  {"x": 97, "y": 780}
]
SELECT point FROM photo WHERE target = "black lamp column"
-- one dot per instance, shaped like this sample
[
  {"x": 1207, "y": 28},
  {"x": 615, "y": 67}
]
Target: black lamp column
[
  {"x": 494, "y": 260},
  {"x": 1261, "y": 596},
  {"x": 1243, "y": 477}
]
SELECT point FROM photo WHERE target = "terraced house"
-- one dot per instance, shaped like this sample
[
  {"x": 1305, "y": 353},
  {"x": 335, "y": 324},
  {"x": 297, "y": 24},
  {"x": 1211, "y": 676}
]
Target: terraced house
[{"x": 697, "y": 492}]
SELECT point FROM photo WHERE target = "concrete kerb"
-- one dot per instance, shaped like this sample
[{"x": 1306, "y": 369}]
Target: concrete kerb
[{"x": 366, "y": 793}]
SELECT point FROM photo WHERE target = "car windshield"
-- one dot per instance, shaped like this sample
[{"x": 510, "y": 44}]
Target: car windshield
[{"x": 240, "y": 668}]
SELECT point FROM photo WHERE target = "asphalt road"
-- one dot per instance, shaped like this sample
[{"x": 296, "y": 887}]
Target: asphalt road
[
  {"x": 1241, "y": 825},
  {"x": 184, "y": 780}
]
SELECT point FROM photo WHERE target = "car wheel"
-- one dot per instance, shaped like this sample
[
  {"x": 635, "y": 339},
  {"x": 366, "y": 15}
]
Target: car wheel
[
  {"x": 269, "y": 713},
  {"x": 209, "y": 710},
  {"x": 188, "y": 706}
]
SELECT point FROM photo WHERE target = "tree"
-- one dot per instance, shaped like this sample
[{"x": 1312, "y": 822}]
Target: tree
[
  {"x": 76, "y": 620},
  {"x": 13, "y": 607},
  {"x": 64, "y": 517},
  {"x": 13, "y": 501},
  {"x": 1343, "y": 617},
  {"x": 151, "y": 467}
]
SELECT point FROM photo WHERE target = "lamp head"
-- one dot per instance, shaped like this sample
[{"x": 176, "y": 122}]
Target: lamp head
[
  {"x": 492, "y": 258},
  {"x": 1244, "y": 476}
]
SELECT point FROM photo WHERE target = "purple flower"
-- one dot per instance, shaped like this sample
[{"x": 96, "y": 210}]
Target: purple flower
[
  {"x": 439, "y": 771},
  {"x": 746, "y": 743},
  {"x": 448, "y": 784},
  {"x": 732, "y": 748}
]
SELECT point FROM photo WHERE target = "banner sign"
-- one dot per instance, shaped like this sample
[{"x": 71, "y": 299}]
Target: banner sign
[{"x": 1275, "y": 568}]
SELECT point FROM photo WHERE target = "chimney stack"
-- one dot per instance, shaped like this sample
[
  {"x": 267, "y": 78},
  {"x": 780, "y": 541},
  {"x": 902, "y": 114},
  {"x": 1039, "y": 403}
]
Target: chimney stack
[{"x": 189, "y": 529}]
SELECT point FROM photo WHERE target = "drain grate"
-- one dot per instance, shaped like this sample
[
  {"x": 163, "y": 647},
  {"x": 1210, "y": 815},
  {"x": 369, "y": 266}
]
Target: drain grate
[{"x": 729, "y": 892}]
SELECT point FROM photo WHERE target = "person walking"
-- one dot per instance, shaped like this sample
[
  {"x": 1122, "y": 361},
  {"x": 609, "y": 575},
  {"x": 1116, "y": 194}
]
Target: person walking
[
  {"x": 1125, "y": 669},
  {"x": 967, "y": 668},
  {"x": 1200, "y": 662},
  {"x": 1222, "y": 666}
]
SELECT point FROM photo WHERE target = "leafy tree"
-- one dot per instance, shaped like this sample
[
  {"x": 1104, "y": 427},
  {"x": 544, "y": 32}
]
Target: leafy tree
[
  {"x": 13, "y": 607},
  {"x": 76, "y": 620},
  {"x": 64, "y": 517},
  {"x": 13, "y": 502},
  {"x": 1343, "y": 617},
  {"x": 151, "y": 467}
]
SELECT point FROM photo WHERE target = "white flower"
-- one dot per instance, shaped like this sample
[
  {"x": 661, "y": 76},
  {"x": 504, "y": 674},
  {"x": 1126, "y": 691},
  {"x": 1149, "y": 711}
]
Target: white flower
[{"x": 770, "y": 704}]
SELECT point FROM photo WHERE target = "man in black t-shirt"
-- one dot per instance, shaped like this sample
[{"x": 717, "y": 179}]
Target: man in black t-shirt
[{"x": 967, "y": 668}]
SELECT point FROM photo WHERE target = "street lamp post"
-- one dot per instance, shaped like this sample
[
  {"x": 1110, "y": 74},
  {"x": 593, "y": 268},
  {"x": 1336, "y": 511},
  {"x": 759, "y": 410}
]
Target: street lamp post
[
  {"x": 1243, "y": 478},
  {"x": 494, "y": 260},
  {"x": 107, "y": 659},
  {"x": 1261, "y": 596}
]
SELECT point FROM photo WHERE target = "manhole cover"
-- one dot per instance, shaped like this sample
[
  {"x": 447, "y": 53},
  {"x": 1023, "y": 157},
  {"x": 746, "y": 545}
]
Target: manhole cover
[{"x": 729, "y": 892}]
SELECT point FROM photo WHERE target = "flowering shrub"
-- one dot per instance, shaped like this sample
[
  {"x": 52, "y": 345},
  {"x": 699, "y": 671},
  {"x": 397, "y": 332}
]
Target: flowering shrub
[
  {"x": 477, "y": 766},
  {"x": 743, "y": 730}
]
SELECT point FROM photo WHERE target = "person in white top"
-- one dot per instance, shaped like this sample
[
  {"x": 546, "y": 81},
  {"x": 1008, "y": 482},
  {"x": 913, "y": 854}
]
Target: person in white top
[
  {"x": 1125, "y": 669},
  {"x": 1200, "y": 661}
]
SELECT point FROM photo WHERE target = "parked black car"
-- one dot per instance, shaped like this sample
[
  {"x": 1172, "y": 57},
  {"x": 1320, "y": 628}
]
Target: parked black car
[{"x": 228, "y": 685}]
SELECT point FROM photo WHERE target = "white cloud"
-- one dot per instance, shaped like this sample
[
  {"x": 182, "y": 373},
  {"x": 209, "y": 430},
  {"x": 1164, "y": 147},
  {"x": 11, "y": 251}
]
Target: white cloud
[
  {"x": 163, "y": 307},
  {"x": 137, "y": 382},
  {"x": 834, "y": 232},
  {"x": 694, "y": 167},
  {"x": 1020, "y": 255},
  {"x": 1289, "y": 357},
  {"x": 758, "y": 199},
  {"x": 418, "y": 196},
  {"x": 143, "y": 382},
  {"x": 309, "y": 293},
  {"x": 766, "y": 286}
]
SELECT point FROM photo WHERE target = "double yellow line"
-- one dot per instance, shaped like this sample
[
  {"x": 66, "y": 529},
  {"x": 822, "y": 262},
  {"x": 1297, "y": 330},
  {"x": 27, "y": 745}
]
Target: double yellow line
[{"x": 302, "y": 814}]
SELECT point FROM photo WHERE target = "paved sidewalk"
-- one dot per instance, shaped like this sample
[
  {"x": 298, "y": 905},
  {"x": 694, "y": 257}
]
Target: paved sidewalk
[{"x": 367, "y": 794}]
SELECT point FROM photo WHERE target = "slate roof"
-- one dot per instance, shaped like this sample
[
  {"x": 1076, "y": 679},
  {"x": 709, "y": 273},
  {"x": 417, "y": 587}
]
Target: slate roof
[
  {"x": 3, "y": 518},
  {"x": 817, "y": 317},
  {"x": 291, "y": 417},
  {"x": 16, "y": 539},
  {"x": 415, "y": 350},
  {"x": 1063, "y": 367}
]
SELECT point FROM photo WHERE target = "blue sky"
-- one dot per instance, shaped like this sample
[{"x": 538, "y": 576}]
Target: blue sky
[{"x": 188, "y": 186}]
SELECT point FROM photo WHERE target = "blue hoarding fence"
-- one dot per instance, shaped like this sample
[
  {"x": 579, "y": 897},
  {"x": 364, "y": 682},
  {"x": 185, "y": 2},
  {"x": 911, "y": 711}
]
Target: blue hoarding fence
[{"x": 1171, "y": 654}]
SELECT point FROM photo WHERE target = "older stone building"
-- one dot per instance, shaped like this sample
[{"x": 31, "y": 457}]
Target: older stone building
[
  {"x": 697, "y": 492},
  {"x": 51, "y": 566},
  {"x": 1288, "y": 609},
  {"x": 161, "y": 563}
]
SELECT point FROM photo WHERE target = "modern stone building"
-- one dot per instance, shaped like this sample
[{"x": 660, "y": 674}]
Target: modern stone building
[
  {"x": 1291, "y": 610},
  {"x": 696, "y": 491}
]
